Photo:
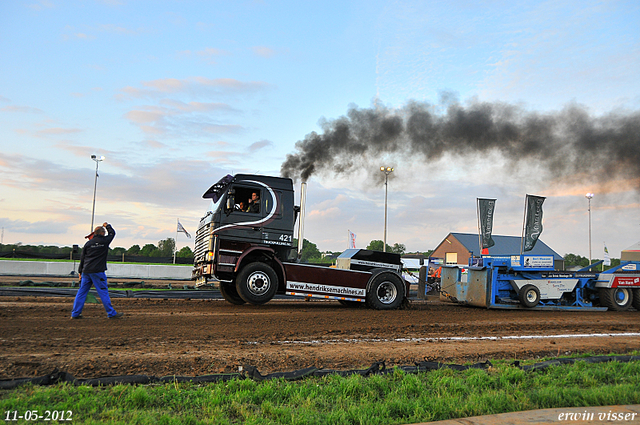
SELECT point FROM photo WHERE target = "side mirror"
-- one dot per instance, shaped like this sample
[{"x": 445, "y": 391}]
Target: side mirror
[{"x": 231, "y": 202}]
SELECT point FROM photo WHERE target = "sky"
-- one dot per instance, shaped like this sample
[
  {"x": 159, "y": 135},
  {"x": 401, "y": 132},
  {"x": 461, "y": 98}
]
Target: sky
[{"x": 177, "y": 94}]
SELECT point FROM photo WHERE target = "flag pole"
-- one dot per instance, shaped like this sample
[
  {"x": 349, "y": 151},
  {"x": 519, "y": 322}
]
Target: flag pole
[
  {"x": 175, "y": 242},
  {"x": 524, "y": 221},
  {"x": 479, "y": 229}
]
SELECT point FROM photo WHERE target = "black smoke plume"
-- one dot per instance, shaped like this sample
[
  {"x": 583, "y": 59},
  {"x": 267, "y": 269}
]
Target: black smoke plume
[{"x": 570, "y": 144}]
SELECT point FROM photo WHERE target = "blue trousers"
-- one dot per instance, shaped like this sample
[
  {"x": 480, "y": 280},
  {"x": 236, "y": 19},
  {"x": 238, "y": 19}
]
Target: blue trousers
[{"x": 99, "y": 280}]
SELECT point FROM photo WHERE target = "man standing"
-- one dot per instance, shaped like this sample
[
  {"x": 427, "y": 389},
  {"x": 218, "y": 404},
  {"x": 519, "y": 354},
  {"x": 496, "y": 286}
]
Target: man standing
[{"x": 93, "y": 263}]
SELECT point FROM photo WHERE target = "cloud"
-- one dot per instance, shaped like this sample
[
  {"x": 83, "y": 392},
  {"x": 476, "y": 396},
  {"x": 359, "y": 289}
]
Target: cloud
[
  {"x": 256, "y": 146},
  {"x": 224, "y": 157},
  {"x": 4, "y": 99},
  {"x": 179, "y": 118},
  {"x": 164, "y": 183},
  {"x": 263, "y": 51},
  {"x": 91, "y": 32},
  {"x": 41, "y": 5},
  {"x": 57, "y": 131},
  {"x": 23, "y": 172},
  {"x": 193, "y": 87},
  {"x": 198, "y": 106},
  {"x": 82, "y": 151},
  {"x": 117, "y": 29},
  {"x": 208, "y": 54},
  {"x": 22, "y": 109},
  {"x": 154, "y": 144},
  {"x": 83, "y": 36},
  {"x": 38, "y": 227},
  {"x": 111, "y": 2}
]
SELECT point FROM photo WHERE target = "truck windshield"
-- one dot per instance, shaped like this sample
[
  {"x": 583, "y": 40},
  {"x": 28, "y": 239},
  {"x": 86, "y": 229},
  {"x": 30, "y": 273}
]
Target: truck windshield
[{"x": 214, "y": 206}]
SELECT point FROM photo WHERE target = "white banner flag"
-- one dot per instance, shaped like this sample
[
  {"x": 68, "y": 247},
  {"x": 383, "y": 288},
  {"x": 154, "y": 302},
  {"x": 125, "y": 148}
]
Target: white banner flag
[
  {"x": 182, "y": 229},
  {"x": 352, "y": 240},
  {"x": 607, "y": 259}
]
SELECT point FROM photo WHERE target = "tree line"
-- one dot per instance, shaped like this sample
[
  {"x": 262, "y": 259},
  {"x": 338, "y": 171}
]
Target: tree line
[
  {"x": 164, "y": 248},
  {"x": 310, "y": 252}
]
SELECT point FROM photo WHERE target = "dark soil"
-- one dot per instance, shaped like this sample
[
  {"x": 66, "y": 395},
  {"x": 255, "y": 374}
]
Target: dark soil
[{"x": 198, "y": 337}]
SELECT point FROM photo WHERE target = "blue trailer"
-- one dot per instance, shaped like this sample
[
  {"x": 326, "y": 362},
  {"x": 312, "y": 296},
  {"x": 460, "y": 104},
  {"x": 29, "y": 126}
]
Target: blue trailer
[{"x": 530, "y": 282}]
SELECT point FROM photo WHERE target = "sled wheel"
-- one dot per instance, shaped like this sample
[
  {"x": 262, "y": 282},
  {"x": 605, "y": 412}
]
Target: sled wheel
[
  {"x": 616, "y": 299},
  {"x": 635, "y": 302},
  {"x": 529, "y": 296},
  {"x": 385, "y": 292},
  {"x": 257, "y": 283},
  {"x": 230, "y": 294}
]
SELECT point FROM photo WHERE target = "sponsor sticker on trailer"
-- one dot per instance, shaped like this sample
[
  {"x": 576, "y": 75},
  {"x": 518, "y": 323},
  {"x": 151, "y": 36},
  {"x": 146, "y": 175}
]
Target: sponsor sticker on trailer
[
  {"x": 626, "y": 281},
  {"x": 533, "y": 261},
  {"x": 327, "y": 289}
]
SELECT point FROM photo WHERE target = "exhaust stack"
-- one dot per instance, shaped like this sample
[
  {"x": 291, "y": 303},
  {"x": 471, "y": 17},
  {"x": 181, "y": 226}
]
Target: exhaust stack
[{"x": 303, "y": 200}]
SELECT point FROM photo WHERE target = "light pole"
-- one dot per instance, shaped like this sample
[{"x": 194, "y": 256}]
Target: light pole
[
  {"x": 589, "y": 196},
  {"x": 97, "y": 159},
  {"x": 386, "y": 171}
]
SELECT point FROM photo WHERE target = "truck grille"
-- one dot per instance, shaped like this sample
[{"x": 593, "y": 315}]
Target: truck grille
[{"x": 203, "y": 236}]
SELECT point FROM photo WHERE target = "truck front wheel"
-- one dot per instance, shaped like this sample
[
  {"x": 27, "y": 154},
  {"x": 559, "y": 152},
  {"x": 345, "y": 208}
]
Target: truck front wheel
[
  {"x": 257, "y": 283},
  {"x": 230, "y": 294},
  {"x": 386, "y": 292},
  {"x": 616, "y": 299}
]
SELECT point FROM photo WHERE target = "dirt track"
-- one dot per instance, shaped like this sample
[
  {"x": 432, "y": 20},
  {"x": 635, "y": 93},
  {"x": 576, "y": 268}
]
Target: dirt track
[{"x": 193, "y": 337}]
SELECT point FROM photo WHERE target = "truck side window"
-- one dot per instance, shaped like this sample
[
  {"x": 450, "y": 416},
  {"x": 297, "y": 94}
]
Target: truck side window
[{"x": 247, "y": 199}]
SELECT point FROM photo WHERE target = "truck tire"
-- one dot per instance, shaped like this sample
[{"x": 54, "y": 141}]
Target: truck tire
[
  {"x": 529, "y": 296},
  {"x": 352, "y": 304},
  {"x": 635, "y": 302},
  {"x": 616, "y": 299},
  {"x": 385, "y": 292},
  {"x": 257, "y": 283},
  {"x": 230, "y": 293}
]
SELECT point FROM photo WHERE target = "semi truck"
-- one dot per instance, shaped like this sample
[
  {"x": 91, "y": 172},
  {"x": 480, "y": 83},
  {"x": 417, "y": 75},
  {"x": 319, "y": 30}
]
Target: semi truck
[
  {"x": 531, "y": 282},
  {"x": 245, "y": 242}
]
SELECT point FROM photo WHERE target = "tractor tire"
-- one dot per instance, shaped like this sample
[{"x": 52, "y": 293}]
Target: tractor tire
[
  {"x": 230, "y": 293},
  {"x": 257, "y": 283},
  {"x": 616, "y": 299},
  {"x": 385, "y": 292},
  {"x": 529, "y": 296},
  {"x": 351, "y": 304},
  {"x": 635, "y": 302}
]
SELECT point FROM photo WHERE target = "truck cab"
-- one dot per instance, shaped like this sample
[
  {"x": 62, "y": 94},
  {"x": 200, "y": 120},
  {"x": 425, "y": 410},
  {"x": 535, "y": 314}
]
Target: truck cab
[{"x": 247, "y": 211}]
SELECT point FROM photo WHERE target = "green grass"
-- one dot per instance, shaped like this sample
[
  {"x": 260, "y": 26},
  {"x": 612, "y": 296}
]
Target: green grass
[{"x": 382, "y": 399}]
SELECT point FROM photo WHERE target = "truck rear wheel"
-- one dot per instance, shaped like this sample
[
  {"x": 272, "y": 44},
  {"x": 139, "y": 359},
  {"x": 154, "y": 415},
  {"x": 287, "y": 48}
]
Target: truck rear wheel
[
  {"x": 529, "y": 296},
  {"x": 616, "y": 299},
  {"x": 635, "y": 302},
  {"x": 385, "y": 292},
  {"x": 352, "y": 304},
  {"x": 230, "y": 293},
  {"x": 257, "y": 283}
]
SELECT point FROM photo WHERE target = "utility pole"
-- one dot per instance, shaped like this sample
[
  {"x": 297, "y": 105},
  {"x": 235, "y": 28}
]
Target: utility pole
[{"x": 386, "y": 171}]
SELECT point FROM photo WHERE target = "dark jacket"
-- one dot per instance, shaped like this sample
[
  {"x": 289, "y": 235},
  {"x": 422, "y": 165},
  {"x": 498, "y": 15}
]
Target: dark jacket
[
  {"x": 254, "y": 207},
  {"x": 94, "y": 253}
]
